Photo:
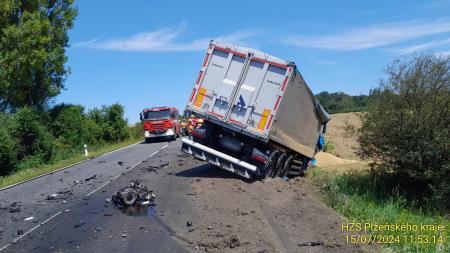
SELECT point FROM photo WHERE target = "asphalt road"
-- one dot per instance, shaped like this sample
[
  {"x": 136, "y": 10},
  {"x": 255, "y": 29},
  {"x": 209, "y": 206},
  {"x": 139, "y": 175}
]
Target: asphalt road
[
  {"x": 70, "y": 210},
  {"x": 67, "y": 210}
]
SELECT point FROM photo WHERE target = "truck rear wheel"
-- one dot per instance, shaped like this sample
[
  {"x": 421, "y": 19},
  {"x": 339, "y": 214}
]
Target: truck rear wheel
[
  {"x": 287, "y": 166},
  {"x": 270, "y": 166},
  {"x": 280, "y": 165}
]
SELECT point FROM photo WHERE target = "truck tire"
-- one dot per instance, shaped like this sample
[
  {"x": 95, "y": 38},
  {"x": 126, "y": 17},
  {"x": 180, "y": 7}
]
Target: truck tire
[
  {"x": 270, "y": 165},
  {"x": 287, "y": 166},
  {"x": 280, "y": 164}
]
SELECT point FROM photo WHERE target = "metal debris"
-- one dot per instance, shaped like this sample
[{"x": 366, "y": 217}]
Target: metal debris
[
  {"x": 14, "y": 208},
  {"x": 135, "y": 193},
  {"x": 52, "y": 196},
  {"x": 234, "y": 242},
  {"x": 29, "y": 218},
  {"x": 90, "y": 178},
  {"x": 318, "y": 243},
  {"x": 79, "y": 224}
]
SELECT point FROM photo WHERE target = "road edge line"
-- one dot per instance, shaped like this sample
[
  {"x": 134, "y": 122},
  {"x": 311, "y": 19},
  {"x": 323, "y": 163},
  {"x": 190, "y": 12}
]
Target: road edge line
[{"x": 66, "y": 167}]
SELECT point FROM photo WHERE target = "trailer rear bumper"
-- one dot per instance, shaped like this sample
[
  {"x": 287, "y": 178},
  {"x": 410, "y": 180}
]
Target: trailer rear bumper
[{"x": 219, "y": 159}]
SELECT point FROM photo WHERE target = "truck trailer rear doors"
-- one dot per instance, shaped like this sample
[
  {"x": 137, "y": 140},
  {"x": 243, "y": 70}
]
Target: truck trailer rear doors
[{"x": 240, "y": 88}]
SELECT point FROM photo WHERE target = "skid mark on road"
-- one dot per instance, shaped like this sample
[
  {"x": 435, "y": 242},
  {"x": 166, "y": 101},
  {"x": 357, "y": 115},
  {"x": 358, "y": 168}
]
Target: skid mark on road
[{"x": 87, "y": 195}]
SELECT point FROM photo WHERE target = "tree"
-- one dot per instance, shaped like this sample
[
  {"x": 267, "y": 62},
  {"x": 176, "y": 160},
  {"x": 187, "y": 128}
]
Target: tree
[
  {"x": 112, "y": 122},
  {"x": 407, "y": 126},
  {"x": 9, "y": 147},
  {"x": 33, "y": 38}
]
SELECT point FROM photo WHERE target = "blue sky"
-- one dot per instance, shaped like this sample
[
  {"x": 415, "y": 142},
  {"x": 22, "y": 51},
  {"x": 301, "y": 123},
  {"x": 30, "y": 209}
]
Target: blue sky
[{"x": 148, "y": 53}]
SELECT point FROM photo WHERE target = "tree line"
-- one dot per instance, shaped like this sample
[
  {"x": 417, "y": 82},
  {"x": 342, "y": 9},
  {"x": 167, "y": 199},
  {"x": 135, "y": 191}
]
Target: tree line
[
  {"x": 339, "y": 102},
  {"x": 34, "y": 131}
]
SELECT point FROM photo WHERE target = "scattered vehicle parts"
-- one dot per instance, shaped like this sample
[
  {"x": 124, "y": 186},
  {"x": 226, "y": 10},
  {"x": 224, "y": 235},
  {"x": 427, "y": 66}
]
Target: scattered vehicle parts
[
  {"x": 90, "y": 178},
  {"x": 14, "y": 208},
  {"x": 136, "y": 192},
  {"x": 79, "y": 224},
  {"x": 318, "y": 243}
]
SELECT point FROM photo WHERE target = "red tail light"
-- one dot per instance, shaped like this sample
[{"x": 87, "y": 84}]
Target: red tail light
[{"x": 258, "y": 158}]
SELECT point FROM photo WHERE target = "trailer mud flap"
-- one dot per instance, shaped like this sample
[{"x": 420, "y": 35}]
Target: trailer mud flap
[{"x": 219, "y": 159}]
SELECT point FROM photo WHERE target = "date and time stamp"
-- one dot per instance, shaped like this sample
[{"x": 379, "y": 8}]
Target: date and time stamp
[{"x": 396, "y": 233}]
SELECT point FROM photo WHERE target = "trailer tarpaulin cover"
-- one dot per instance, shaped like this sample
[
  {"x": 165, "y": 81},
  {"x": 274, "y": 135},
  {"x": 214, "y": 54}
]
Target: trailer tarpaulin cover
[{"x": 300, "y": 119}]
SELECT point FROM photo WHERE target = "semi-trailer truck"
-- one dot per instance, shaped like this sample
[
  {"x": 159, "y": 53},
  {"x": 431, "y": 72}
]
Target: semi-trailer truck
[{"x": 260, "y": 117}]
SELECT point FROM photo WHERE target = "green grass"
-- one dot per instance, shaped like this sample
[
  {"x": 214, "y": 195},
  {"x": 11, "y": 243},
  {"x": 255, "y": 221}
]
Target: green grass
[
  {"x": 361, "y": 198},
  {"x": 22, "y": 175}
]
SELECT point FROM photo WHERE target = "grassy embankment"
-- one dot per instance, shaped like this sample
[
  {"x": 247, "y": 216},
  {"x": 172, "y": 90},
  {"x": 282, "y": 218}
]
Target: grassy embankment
[
  {"x": 362, "y": 198},
  {"x": 26, "y": 174}
]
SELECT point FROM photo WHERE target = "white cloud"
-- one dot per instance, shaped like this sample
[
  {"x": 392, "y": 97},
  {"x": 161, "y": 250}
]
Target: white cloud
[
  {"x": 164, "y": 40},
  {"x": 371, "y": 37},
  {"x": 421, "y": 47}
]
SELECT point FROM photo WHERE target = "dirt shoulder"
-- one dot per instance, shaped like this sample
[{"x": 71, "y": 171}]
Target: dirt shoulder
[{"x": 271, "y": 216}]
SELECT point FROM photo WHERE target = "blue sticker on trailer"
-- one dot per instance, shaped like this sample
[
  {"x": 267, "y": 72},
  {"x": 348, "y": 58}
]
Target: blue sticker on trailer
[{"x": 241, "y": 102}]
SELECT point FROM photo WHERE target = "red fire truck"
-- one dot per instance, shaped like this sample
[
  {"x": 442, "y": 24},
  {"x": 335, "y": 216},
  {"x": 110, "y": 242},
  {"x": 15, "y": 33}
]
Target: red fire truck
[{"x": 160, "y": 122}]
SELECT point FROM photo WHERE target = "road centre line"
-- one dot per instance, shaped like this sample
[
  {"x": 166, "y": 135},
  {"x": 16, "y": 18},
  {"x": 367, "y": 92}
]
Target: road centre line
[{"x": 31, "y": 230}]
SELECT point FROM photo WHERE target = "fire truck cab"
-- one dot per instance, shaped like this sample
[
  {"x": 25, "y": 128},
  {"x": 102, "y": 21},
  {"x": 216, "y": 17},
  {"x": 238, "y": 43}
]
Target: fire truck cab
[{"x": 160, "y": 122}]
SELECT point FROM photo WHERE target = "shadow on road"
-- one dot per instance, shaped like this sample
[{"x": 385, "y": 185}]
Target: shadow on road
[
  {"x": 209, "y": 171},
  {"x": 157, "y": 140}
]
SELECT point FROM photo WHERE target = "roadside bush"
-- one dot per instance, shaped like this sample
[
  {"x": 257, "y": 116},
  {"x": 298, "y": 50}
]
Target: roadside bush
[
  {"x": 72, "y": 127},
  {"x": 9, "y": 147},
  {"x": 406, "y": 129},
  {"x": 112, "y": 122},
  {"x": 31, "y": 134},
  {"x": 137, "y": 131}
]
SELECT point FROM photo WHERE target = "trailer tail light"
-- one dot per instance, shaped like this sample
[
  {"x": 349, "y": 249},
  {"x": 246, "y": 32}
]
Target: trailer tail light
[
  {"x": 263, "y": 120},
  {"x": 258, "y": 156},
  {"x": 200, "y": 96}
]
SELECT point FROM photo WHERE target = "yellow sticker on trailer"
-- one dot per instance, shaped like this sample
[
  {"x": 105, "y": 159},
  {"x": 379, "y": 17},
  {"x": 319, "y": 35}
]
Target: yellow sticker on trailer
[
  {"x": 263, "y": 120},
  {"x": 200, "y": 96}
]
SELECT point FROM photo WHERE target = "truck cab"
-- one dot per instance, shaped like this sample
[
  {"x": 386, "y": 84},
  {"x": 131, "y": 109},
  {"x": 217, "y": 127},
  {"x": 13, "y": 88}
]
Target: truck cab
[{"x": 160, "y": 122}]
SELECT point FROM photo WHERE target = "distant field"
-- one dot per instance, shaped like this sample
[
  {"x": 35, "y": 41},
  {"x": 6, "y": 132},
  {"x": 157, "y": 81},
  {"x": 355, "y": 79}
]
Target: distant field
[{"x": 339, "y": 133}]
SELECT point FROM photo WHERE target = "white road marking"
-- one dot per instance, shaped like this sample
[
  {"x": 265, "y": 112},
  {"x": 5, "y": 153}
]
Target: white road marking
[
  {"x": 120, "y": 149},
  {"x": 31, "y": 230},
  {"x": 4, "y": 247},
  {"x": 58, "y": 213},
  {"x": 132, "y": 167},
  {"x": 92, "y": 192}
]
